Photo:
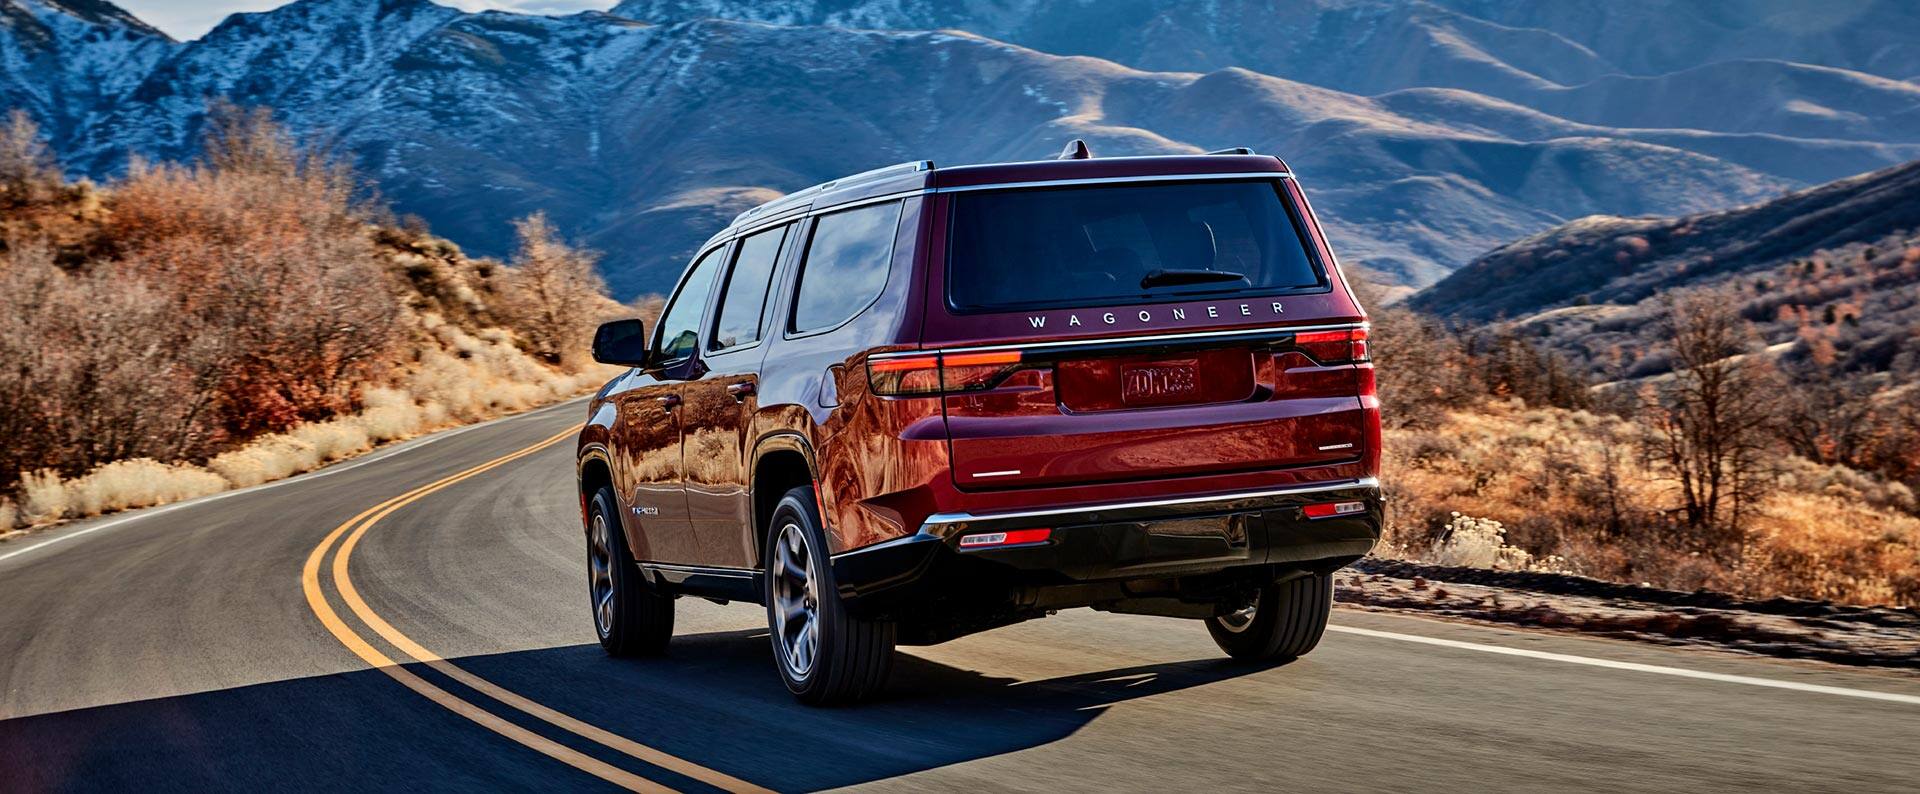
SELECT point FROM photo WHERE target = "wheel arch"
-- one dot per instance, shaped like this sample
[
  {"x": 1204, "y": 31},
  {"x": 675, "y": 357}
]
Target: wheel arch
[
  {"x": 781, "y": 462},
  {"x": 595, "y": 471}
]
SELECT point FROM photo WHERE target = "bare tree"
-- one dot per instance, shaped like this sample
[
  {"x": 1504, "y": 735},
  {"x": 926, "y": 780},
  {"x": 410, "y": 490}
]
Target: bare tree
[
  {"x": 554, "y": 298},
  {"x": 1421, "y": 366},
  {"x": 27, "y": 170},
  {"x": 1709, "y": 421},
  {"x": 1827, "y": 417}
]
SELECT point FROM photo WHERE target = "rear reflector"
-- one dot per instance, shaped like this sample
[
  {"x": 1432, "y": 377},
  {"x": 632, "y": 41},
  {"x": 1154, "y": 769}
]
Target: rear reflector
[
  {"x": 1018, "y": 537},
  {"x": 1331, "y": 509}
]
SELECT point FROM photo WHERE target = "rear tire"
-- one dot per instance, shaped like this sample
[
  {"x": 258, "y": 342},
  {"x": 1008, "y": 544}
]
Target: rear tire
[
  {"x": 1284, "y": 621},
  {"x": 825, "y": 656},
  {"x": 631, "y": 619}
]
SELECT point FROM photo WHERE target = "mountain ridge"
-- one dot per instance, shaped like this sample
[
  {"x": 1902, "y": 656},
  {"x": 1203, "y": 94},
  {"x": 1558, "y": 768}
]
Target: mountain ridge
[
  {"x": 1622, "y": 261},
  {"x": 620, "y": 128}
]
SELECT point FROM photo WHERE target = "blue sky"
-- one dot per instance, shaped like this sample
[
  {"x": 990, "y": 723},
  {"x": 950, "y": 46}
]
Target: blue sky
[{"x": 188, "y": 19}]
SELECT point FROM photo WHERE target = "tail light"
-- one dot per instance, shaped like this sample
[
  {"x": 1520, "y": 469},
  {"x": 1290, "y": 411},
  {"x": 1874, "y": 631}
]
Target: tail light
[
  {"x": 940, "y": 373},
  {"x": 1344, "y": 346}
]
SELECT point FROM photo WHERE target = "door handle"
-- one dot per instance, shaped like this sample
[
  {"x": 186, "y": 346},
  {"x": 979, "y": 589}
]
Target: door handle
[
  {"x": 740, "y": 391},
  {"x": 668, "y": 401}
]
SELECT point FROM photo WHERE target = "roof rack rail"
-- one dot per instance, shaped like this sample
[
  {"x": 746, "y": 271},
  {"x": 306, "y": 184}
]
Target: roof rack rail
[
  {"x": 912, "y": 166},
  {"x": 1233, "y": 150}
]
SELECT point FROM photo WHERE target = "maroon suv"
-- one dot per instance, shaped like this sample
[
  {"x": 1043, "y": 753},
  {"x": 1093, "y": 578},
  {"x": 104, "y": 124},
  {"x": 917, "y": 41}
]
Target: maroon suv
[{"x": 919, "y": 402}]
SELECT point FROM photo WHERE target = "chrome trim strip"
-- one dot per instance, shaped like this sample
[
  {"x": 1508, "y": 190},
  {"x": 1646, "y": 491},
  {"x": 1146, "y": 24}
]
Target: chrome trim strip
[
  {"x": 896, "y": 196},
  {"x": 1226, "y": 334},
  {"x": 1224, "y": 500},
  {"x": 1117, "y": 179},
  {"x": 801, "y": 212},
  {"x": 733, "y": 573}
]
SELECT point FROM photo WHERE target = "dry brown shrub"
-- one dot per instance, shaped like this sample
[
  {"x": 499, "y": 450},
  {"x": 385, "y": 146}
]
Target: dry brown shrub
[
  {"x": 1833, "y": 548},
  {"x": 249, "y": 313},
  {"x": 94, "y": 365},
  {"x": 263, "y": 248},
  {"x": 1567, "y": 483}
]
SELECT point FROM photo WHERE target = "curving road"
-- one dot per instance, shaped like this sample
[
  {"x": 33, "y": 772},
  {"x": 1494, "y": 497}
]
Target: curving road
[{"x": 249, "y": 641}]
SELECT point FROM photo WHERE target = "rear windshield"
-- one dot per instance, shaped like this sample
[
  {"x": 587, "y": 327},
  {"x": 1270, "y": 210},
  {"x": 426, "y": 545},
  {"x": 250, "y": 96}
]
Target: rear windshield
[{"x": 1134, "y": 243}]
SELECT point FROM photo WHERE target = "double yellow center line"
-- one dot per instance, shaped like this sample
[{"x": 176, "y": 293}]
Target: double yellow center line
[{"x": 353, "y": 530}]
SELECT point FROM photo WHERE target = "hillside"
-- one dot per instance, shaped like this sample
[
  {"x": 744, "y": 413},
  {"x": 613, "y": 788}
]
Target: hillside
[
  {"x": 1617, "y": 262},
  {"x": 1820, "y": 289},
  {"x": 188, "y": 329},
  {"x": 642, "y": 138}
]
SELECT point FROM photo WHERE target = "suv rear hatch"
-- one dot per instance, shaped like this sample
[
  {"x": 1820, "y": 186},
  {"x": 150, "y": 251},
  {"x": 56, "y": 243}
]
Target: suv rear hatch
[{"x": 1126, "y": 331}]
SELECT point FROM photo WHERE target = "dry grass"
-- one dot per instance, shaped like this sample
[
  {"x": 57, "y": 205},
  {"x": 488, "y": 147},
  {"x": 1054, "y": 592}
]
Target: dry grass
[
  {"x": 139, "y": 482},
  {"x": 43, "y": 497},
  {"x": 1565, "y": 490},
  {"x": 478, "y": 379}
]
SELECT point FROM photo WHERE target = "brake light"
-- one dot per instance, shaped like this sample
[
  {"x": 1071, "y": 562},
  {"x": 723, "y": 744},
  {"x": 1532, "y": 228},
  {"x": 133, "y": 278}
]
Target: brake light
[
  {"x": 904, "y": 376},
  {"x": 1344, "y": 346},
  {"x": 1018, "y": 537},
  {"x": 1331, "y": 509},
  {"x": 939, "y": 373}
]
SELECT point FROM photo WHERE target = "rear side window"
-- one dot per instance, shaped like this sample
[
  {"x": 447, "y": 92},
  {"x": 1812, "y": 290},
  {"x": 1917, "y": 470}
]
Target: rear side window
[
  {"x": 846, "y": 267},
  {"x": 1138, "y": 243},
  {"x": 679, "y": 332},
  {"x": 744, "y": 300}
]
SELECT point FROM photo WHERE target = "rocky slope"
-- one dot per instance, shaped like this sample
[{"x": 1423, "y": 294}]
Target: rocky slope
[
  {"x": 1828, "y": 278},
  {"x": 641, "y": 138}
]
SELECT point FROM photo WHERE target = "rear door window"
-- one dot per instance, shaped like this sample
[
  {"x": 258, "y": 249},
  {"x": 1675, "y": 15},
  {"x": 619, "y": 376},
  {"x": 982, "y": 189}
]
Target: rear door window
[
  {"x": 1124, "y": 243},
  {"x": 846, "y": 266},
  {"x": 743, "y": 302}
]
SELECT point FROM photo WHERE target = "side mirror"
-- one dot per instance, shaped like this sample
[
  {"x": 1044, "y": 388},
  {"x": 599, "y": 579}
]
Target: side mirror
[{"x": 621, "y": 342}]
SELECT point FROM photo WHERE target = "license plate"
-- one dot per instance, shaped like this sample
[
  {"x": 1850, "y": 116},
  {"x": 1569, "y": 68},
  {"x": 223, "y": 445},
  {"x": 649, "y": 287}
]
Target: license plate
[{"x": 1161, "y": 383}]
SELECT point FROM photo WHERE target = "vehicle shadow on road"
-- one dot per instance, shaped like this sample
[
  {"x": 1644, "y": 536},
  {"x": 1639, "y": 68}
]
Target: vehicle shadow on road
[{"x": 714, "y": 700}]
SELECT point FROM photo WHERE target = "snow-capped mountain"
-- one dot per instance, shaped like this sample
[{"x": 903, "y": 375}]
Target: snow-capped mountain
[
  {"x": 62, "y": 60},
  {"x": 1499, "y": 47},
  {"x": 642, "y": 137}
]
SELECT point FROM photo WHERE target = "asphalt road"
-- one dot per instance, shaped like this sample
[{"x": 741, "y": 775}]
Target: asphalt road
[{"x": 218, "y": 645}]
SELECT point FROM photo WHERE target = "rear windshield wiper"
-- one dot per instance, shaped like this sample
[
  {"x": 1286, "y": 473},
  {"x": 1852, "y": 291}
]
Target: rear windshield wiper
[{"x": 1169, "y": 278}]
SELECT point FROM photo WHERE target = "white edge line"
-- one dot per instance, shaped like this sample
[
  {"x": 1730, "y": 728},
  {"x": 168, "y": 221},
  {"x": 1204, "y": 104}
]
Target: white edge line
[
  {"x": 352, "y": 463},
  {"x": 1868, "y": 694}
]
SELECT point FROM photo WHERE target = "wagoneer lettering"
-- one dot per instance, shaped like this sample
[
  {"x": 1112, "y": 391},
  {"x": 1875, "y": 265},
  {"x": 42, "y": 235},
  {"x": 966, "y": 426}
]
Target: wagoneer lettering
[{"x": 917, "y": 403}]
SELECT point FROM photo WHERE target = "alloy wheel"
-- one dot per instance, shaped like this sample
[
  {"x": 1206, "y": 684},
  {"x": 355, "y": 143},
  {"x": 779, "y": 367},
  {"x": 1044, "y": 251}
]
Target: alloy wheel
[
  {"x": 600, "y": 574},
  {"x": 796, "y": 601}
]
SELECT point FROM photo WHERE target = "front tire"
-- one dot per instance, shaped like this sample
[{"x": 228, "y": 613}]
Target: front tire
[
  {"x": 1284, "y": 621},
  {"x": 631, "y": 619},
  {"x": 824, "y": 655}
]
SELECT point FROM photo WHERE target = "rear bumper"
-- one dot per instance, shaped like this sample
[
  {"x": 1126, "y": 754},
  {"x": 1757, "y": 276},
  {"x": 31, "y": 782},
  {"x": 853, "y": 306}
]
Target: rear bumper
[{"x": 1127, "y": 540}]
